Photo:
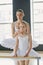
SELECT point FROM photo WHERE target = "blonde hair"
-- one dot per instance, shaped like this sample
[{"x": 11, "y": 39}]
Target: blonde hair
[{"x": 20, "y": 10}]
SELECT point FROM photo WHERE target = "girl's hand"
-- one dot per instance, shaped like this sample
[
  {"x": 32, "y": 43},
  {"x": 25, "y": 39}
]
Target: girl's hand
[
  {"x": 26, "y": 55},
  {"x": 15, "y": 55}
]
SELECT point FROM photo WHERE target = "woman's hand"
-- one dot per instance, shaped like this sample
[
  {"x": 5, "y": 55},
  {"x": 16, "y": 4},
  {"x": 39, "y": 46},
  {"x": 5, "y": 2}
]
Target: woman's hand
[
  {"x": 15, "y": 55},
  {"x": 15, "y": 34}
]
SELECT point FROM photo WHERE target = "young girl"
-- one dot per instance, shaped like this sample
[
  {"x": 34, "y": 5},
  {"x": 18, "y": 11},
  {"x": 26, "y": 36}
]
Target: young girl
[{"x": 24, "y": 44}]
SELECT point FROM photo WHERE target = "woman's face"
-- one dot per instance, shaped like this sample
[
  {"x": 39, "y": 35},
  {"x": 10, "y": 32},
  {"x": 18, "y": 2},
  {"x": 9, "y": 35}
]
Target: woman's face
[{"x": 19, "y": 15}]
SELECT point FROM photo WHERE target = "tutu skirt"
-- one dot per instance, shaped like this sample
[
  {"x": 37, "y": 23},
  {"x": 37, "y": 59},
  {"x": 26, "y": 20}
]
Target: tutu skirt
[{"x": 9, "y": 43}]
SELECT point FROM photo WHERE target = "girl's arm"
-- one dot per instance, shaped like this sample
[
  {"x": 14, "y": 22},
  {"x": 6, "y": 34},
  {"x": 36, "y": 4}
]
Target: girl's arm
[
  {"x": 13, "y": 30},
  {"x": 16, "y": 46},
  {"x": 30, "y": 46}
]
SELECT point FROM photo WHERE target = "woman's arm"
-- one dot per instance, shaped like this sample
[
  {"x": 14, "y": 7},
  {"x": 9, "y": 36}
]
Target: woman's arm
[
  {"x": 28, "y": 29},
  {"x": 13, "y": 30}
]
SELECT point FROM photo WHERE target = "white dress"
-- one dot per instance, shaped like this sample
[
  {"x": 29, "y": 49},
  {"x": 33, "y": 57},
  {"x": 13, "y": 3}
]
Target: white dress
[{"x": 23, "y": 47}]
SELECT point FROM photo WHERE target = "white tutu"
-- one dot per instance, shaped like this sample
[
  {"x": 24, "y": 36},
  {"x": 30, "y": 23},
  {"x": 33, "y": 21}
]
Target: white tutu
[
  {"x": 32, "y": 53},
  {"x": 35, "y": 44},
  {"x": 10, "y": 43}
]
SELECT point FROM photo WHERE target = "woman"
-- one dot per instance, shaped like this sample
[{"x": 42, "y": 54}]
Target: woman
[{"x": 15, "y": 25}]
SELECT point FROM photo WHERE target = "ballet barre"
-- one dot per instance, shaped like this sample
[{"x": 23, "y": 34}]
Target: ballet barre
[{"x": 22, "y": 58}]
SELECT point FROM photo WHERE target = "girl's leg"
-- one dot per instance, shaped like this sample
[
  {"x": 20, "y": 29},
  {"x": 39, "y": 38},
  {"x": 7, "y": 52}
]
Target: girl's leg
[
  {"x": 18, "y": 63},
  {"x": 22, "y": 62},
  {"x": 26, "y": 62}
]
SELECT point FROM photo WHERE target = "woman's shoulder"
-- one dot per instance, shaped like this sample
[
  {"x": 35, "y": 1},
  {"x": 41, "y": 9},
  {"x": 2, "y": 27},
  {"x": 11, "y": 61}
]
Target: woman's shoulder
[
  {"x": 26, "y": 22},
  {"x": 13, "y": 23}
]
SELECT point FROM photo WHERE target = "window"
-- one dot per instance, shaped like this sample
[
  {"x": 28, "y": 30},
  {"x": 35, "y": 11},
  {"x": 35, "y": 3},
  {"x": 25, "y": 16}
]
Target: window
[
  {"x": 6, "y": 18},
  {"x": 37, "y": 20}
]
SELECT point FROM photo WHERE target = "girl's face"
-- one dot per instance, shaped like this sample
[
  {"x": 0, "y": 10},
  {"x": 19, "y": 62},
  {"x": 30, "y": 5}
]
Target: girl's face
[
  {"x": 22, "y": 28},
  {"x": 19, "y": 15}
]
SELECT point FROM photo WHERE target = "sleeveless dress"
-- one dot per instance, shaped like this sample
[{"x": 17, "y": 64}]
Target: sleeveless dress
[{"x": 23, "y": 47}]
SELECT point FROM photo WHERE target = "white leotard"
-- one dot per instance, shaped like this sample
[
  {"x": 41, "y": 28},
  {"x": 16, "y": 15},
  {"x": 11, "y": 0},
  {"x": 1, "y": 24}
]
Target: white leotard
[{"x": 23, "y": 47}]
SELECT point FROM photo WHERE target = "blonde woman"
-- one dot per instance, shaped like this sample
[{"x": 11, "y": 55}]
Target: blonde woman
[{"x": 15, "y": 25}]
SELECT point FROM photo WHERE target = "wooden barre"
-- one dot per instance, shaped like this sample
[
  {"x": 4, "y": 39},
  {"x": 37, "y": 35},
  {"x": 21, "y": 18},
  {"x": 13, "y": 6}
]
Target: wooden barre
[{"x": 22, "y": 58}]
